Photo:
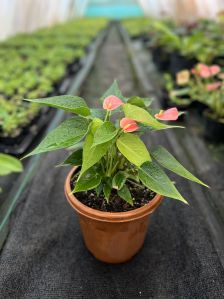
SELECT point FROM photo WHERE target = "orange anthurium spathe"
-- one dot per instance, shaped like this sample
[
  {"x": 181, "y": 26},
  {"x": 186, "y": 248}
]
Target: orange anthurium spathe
[
  {"x": 112, "y": 103},
  {"x": 128, "y": 125},
  {"x": 169, "y": 114}
]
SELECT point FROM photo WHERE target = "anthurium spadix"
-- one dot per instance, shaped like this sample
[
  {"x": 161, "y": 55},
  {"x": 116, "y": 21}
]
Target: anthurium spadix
[{"x": 110, "y": 153}]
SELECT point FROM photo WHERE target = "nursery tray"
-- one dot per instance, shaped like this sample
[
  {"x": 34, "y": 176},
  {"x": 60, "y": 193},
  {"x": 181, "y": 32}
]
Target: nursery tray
[
  {"x": 14, "y": 185},
  {"x": 19, "y": 145}
]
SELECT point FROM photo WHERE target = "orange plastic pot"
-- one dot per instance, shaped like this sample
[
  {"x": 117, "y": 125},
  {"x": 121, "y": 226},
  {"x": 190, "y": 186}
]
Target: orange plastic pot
[{"x": 112, "y": 237}]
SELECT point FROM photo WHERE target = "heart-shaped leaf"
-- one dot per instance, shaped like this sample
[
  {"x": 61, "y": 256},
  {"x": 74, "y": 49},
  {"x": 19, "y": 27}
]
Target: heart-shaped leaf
[
  {"x": 168, "y": 161},
  {"x": 125, "y": 194},
  {"x": 69, "y": 103},
  {"x": 71, "y": 131},
  {"x": 133, "y": 148},
  {"x": 75, "y": 159},
  {"x": 98, "y": 113},
  {"x": 91, "y": 155},
  {"x": 140, "y": 102},
  {"x": 9, "y": 164},
  {"x": 115, "y": 91},
  {"x": 88, "y": 181},
  {"x": 107, "y": 188},
  {"x": 154, "y": 178},
  {"x": 104, "y": 133},
  {"x": 141, "y": 115},
  {"x": 119, "y": 180}
]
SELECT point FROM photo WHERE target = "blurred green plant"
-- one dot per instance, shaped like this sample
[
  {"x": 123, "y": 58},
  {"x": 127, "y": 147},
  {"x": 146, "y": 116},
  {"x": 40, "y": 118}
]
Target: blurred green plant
[
  {"x": 35, "y": 63},
  {"x": 8, "y": 165},
  {"x": 203, "y": 83}
]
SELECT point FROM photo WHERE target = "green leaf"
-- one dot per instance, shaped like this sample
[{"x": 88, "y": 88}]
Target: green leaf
[
  {"x": 181, "y": 92},
  {"x": 115, "y": 91},
  {"x": 104, "y": 133},
  {"x": 142, "y": 116},
  {"x": 107, "y": 188},
  {"x": 98, "y": 113},
  {"x": 154, "y": 178},
  {"x": 91, "y": 155},
  {"x": 99, "y": 189},
  {"x": 168, "y": 161},
  {"x": 71, "y": 131},
  {"x": 140, "y": 102},
  {"x": 9, "y": 164},
  {"x": 125, "y": 194},
  {"x": 133, "y": 148},
  {"x": 69, "y": 103},
  {"x": 88, "y": 181},
  {"x": 119, "y": 180},
  {"x": 74, "y": 159}
]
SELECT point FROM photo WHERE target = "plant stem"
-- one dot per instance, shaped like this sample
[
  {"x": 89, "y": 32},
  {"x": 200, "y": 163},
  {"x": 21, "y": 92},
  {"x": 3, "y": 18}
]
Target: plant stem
[
  {"x": 107, "y": 117},
  {"x": 136, "y": 184}
]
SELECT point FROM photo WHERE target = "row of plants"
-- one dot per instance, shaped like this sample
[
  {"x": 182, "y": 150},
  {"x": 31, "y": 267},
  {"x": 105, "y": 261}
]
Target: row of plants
[
  {"x": 202, "y": 88},
  {"x": 191, "y": 58},
  {"x": 34, "y": 66},
  {"x": 201, "y": 41}
]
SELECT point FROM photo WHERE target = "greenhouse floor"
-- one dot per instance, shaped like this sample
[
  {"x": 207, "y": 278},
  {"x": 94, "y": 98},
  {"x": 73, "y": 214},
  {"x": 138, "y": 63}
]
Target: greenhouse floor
[{"x": 44, "y": 255}]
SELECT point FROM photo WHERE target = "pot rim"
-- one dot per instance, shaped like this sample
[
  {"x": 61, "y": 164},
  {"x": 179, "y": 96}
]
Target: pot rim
[{"x": 108, "y": 216}]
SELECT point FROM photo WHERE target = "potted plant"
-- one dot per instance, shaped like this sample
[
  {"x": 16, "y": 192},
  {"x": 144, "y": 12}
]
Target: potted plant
[
  {"x": 115, "y": 182},
  {"x": 214, "y": 100},
  {"x": 204, "y": 85}
]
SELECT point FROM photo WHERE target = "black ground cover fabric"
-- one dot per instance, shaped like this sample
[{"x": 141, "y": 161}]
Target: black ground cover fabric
[{"x": 44, "y": 256}]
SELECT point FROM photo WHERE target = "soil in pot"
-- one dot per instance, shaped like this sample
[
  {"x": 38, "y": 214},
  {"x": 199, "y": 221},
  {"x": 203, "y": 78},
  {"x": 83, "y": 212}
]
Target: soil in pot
[
  {"x": 141, "y": 196},
  {"x": 214, "y": 129}
]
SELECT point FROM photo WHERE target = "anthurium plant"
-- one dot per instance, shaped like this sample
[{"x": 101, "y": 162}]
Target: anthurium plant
[
  {"x": 204, "y": 84},
  {"x": 111, "y": 154}
]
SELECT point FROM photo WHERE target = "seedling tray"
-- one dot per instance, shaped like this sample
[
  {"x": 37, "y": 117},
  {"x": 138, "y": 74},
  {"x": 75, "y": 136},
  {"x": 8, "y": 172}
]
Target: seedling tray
[
  {"x": 15, "y": 184},
  {"x": 18, "y": 145}
]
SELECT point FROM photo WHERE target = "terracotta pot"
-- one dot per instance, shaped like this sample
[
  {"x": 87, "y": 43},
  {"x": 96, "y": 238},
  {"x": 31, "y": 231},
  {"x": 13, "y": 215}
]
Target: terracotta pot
[{"x": 112, "y": 237}]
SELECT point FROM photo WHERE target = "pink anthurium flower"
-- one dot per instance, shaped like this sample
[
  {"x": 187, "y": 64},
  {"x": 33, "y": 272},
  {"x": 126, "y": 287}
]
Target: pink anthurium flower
[
  {"x": 215, "y": 69},
  {"x": 213, "y": 86},
  {"x": 112, "y": 103},
  {"x": 205, "y": 71},
  {"x": 128, "y": 125},
  {"x": 169, "y": 114}
]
